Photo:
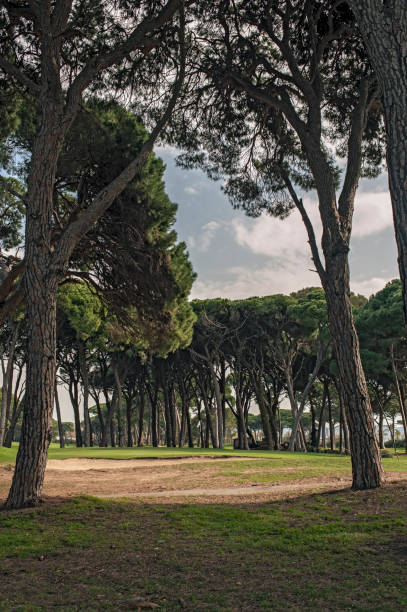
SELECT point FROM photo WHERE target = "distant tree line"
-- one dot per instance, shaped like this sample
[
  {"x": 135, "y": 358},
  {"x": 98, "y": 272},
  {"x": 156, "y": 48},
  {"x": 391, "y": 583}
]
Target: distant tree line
[{"x": 245, "y": 355}]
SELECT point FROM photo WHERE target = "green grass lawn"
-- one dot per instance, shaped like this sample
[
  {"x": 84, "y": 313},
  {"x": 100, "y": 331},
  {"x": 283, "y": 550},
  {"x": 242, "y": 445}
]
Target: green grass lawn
[
  {"x": 333, "y": 551},
  {"x": 341, "y": 550}
]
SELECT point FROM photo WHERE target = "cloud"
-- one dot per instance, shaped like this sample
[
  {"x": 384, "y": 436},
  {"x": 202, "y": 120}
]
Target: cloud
[
  {"x": 373, "y": 213},
  {"x": 243, "y": 282},
  {"x": 166, "y": 149},
  {"x": 369, "y": 286},
  {"x": 191, "y": 190},
  {"x": 191, "y": 242},
  {"x": 208, "y": 234},
  {"x": 273, "y": 237}
]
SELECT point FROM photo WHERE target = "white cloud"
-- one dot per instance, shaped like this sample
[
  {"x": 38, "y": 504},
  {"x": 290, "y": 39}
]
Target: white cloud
[
  {"x": 245, "y": 282},
  {"x": 166, "y": 149},
  {"x": 208, "y": 234},
  {"x": 242, "y": 282},
  {"x": 270, "y": 236},
  {"x": 191, "y": 242},
  {"x": 191, "y": 190},
  {"x": 373, "y": 213},
  {"x": 369, "y": 286}
]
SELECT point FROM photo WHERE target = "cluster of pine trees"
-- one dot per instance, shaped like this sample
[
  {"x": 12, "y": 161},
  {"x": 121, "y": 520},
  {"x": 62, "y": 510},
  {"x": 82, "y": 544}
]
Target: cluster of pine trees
[
  {"x": 241, "y": 357},
  {"x": 275, "y": 97}
]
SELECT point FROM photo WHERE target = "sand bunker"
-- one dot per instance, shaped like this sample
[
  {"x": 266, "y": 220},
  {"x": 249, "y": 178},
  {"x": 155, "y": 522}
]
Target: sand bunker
[{"x": 84, "y": 464}]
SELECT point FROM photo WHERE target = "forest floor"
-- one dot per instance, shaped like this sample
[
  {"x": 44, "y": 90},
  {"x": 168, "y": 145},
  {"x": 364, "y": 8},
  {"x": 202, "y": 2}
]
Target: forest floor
[{"x": 269, "y": 531}]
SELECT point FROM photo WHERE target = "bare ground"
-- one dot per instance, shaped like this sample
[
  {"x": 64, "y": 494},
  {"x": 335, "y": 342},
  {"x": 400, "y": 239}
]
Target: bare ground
[{"x": 167, "y": 481}]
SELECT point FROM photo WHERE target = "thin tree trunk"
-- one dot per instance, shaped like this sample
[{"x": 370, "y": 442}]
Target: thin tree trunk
[
  {"x": 14, "y": 419},
  {"x": 331, "y": 425},
  {"x": 218, "y": 405},
  {"x": 189, "y": 429},
  {"x": 400, "y": 394},
  {"x": 381, "y": 437},
  {"x": 110, "y": 404},
  {"x": 73, "y": 394},
  {"x": 7, "y": 383},
  {"x": 141, "y": 417},
  {"x": 129, "y": 402},
  {"x": 313, "y": 424},
  {"x": 298, "y": 410},
  {"x": 101, "y": 419},
  {"x": 264, "y": 413},
  {"x": 59, "y": 420},
  {"x": 85, "y": 381}
]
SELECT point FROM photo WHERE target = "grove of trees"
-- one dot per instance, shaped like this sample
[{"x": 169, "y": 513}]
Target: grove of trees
[{"x": 276, "y": 98}]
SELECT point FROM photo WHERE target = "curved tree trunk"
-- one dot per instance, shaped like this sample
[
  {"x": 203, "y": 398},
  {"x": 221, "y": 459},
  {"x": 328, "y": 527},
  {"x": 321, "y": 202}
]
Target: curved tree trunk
[
  {"x": 26, "y": 488},
  {"x": 8, "y": 441}
]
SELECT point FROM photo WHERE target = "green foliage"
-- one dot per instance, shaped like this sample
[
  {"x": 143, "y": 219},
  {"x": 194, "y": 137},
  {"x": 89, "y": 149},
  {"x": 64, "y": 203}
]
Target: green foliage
[
  {"x": 82, "y": 308},
  {"x": 143, "y": 275},
  {"x": 12, "y": 213},
  {"x": 380, "y": 326}
]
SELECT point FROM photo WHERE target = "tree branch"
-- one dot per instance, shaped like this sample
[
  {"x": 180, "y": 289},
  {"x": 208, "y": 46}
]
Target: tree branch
[
  {"x": 78, "y": 228},
  {"x": 354, "y": 160},
  {"x": 19, "y": 76},
  {"x": 308, "y": 226},
  {"x": 96, "y": 64}
]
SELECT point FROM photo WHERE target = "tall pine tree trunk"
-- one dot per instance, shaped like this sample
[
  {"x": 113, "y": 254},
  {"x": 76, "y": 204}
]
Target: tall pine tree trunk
[
  {"x": 384, "y": 29},
  {"x": 366, "y": 461},
  {"x": 26, "y": 489}
]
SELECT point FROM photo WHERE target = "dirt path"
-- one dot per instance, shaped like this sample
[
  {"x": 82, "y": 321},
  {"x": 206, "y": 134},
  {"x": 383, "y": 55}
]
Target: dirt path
[{"x": 276, "y": 489}]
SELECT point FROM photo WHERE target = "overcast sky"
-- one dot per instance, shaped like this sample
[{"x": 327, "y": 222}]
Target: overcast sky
[{"x": 237, "y": 256}]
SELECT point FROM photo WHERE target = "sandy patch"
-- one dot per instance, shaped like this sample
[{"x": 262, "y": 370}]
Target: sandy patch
[
  {"x": 167, "y": 480},
  {"x": 84, "y": 464}
]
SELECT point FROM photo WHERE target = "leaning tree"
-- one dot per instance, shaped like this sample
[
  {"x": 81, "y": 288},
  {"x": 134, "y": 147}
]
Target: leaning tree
[
  {"x": 283, "y": 87},
  {"x": 55, "y": 54}
]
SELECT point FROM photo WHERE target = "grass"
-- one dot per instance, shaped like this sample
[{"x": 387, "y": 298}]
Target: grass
[{"x": 336, "y": 551}]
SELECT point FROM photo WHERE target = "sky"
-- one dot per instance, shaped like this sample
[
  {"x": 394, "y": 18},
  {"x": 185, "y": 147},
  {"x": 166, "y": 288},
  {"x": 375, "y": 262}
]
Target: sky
[{"x": 236, "y": 256}]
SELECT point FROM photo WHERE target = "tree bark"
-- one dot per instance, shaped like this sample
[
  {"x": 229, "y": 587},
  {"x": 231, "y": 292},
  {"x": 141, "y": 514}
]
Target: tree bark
[
  {"x": 141, "y": 417},
  {"x": 59, "y": 420},
  {"x": 45, "y": 263},
  {"x": 73, "y": 394},
  {"x": 85, "y": 381},
  {"x": 366, "y": 461},
  {"x": 384, "y": 29},
  {"x": 7, "y": 384},
  {"x": 261, "y": 402}
]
